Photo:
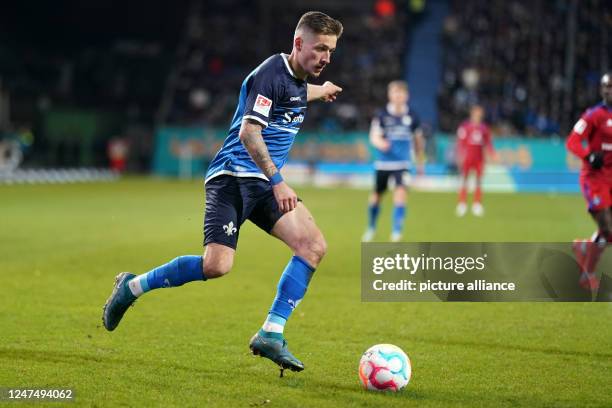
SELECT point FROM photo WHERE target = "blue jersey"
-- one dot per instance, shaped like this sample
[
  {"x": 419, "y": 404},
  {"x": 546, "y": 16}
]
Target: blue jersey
[
  {"x": 399, "y": 130},
  {"x": 273, "y": 96}
]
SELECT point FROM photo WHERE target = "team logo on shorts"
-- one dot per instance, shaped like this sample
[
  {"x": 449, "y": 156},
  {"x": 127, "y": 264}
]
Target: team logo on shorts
[
  {"x": 229, "y": 229},
  {"x": 596, "y": 200}
]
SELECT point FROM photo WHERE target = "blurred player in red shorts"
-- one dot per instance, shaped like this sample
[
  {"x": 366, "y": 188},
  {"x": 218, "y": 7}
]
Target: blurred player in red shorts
[
  {"x": 595, "y": 128},
  {"x": 473, "y": 137}
]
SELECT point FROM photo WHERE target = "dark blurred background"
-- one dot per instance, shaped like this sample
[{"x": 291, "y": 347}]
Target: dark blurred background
[{"x": 76, "y": 77}]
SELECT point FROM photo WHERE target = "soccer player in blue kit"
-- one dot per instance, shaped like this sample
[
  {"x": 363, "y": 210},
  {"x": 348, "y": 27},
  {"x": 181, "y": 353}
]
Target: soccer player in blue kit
[
  {"x": 396, "y": 134},
  {"x": 243, "y": 182}
]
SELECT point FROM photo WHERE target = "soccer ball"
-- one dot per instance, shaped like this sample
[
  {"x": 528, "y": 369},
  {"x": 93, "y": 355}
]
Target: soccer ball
[{"x": 384, "y": 367}]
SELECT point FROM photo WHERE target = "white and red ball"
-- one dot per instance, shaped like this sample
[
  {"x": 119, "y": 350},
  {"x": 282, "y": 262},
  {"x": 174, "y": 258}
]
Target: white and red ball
[{"x": 384, "y": 367}]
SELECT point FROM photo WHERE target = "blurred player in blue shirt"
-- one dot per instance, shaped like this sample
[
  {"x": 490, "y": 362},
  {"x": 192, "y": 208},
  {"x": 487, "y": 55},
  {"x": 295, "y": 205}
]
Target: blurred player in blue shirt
[
  {"x": 396, "y": 134},
  {"x": 244, "y": 182}
]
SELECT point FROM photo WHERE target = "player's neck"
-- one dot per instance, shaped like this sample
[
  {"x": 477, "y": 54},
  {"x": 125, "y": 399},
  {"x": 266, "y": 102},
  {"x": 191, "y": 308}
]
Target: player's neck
[
  {"x": 296, "y": 67},
  {"x": 397, "y": 109}
]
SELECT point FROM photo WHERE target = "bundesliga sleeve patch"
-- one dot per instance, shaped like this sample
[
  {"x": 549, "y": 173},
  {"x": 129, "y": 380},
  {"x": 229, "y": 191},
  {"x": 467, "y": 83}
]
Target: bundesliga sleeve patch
[
  {"x": 262, "y": 105},
  {"x": 580, "y": 126}
]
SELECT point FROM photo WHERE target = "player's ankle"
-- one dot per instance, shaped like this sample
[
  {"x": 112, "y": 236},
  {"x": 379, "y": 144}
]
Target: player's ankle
[{"x": 270, "y": 335}]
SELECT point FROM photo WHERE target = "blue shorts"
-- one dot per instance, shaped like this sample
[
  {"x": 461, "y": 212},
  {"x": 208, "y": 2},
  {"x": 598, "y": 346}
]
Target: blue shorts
[
  {"x": 382, "y": 179},
  {"x": 230, "y": 201}
]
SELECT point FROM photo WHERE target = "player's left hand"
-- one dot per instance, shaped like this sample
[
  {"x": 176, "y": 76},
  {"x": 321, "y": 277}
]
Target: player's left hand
[
  {"x": 595, "y": 160},
  {"x": 330, "y": 91},
  {"x": 285, "y": 197}
]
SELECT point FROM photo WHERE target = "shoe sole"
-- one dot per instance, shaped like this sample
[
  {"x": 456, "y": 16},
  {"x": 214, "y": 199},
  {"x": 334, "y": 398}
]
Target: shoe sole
[
  {"x": 283, "y": 366},
  {"x": 118, "y": 282}
]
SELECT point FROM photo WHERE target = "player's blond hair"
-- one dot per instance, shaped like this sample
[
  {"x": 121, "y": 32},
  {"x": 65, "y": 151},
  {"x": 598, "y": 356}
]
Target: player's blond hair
[
  {"x": 319, "y": 23},
  {"x": 400, "y": 84}
]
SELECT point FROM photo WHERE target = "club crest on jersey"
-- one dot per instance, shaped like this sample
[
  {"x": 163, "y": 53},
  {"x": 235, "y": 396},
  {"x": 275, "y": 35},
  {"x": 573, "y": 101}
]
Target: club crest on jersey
[
  {"x": 229, "y": 229},
  {"x": 407, "y": 121},
  {"x": 609, "y": 122},
  {"x": 262, "y": 105}
]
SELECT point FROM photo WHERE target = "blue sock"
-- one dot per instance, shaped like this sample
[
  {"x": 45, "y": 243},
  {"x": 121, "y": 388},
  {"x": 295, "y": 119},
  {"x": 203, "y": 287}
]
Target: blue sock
[
  {"x": 177, "y": 272},
  {"x": 291, "y": 289},
  {"x": 399, "y": 214},
  {"x": 373, "y": 210}
]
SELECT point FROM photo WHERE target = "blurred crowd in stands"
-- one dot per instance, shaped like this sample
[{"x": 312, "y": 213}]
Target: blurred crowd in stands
[
  {"x": 222, "y": 45},
  {"x": 180, "y": 64},
  {"x": 533, "y": 64}
]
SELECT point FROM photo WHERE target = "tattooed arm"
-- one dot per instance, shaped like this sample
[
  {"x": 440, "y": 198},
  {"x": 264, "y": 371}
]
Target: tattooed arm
[{"x": 252, "y": 140}]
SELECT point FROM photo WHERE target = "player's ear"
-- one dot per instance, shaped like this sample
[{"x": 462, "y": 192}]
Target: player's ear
[{"x": 297, "y": 43}]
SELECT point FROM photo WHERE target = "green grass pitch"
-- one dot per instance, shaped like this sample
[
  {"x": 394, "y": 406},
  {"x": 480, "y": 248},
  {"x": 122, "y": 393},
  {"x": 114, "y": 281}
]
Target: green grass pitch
[{"x": 61, "y": 246}]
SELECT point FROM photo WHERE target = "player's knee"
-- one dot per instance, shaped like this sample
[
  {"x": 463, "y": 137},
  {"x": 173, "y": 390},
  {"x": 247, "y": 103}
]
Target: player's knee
[
  {"x": 400, "y": 195},
  {"x": 318, "y": 247},
  {"x": 312, "y": 249},
  {"x": 217, "y": 267}
]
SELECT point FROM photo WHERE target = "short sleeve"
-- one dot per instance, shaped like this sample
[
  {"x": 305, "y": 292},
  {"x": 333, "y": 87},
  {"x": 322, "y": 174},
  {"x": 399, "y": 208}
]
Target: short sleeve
[{"x": 261, "y": 96}]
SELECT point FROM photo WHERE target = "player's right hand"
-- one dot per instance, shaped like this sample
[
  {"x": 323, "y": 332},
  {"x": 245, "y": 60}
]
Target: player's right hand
[
  {"x": 383, "y": 145},
  {"x": 285, "y": 197},
  {"x": 595, "y": 160}
]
